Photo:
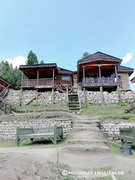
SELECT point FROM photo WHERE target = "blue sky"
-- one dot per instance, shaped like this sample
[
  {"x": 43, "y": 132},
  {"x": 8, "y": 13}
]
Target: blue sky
[{"x": 61, "y": 30}]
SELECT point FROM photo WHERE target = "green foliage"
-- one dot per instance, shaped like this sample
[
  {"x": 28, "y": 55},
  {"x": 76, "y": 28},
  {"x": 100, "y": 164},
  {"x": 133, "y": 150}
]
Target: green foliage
[
  {"x": 42, "y": 62},
  {"x": 85, "y": 54},
  {"x": 32, "y": 58},
  {"x": 122, "y": 104},
  {"x": 11, "y": 75}
]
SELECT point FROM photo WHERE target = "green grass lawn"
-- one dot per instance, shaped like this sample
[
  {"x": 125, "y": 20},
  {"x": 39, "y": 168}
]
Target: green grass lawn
[{"x": 109, "y": 112}]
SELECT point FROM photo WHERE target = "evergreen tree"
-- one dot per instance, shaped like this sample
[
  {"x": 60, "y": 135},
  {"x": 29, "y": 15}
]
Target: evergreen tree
[
  {"x": 85, "y": 54},
  {"x": 31, "y": 58}
]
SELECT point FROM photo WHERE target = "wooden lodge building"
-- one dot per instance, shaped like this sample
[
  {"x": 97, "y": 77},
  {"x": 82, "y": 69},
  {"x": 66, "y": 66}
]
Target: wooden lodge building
[
  {"x": 133, "y": 80},
  {"x": 3, "y": 84},
  {"x": 94, "y": 72},
  {"x": 100, "y": 70},
  {"x": 46, "y": 76}
]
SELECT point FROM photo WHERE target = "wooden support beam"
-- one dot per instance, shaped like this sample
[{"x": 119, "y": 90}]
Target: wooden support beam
[
  {"x": 36, "y": 94},
  {"x": 85, "y": 97},
  {"x": 53, "y": 78},
  {"x": 52, "y": 95},
  {"x": 83, "y": 75},
  {"x": 116, "y": 75},
  {"x": 99, "y": 67},
  {"x": 37, "y": 77},
  {"x": 22, "y": 79},
  {"x": 102, "y": 95}
]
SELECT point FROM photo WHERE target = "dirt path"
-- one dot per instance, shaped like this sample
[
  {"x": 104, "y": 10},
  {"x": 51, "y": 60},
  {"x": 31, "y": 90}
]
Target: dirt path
[{"x": 46, "y": 162}]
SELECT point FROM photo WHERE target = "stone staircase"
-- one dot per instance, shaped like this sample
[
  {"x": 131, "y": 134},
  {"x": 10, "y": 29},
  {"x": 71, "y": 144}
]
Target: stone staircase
[
  {"x": 73, "y": 101},
  {"x": 86, "y": 136}
]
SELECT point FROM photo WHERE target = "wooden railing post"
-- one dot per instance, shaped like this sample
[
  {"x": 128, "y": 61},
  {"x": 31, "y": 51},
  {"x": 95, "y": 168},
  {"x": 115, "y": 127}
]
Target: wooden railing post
[{"x": 37, "y": 77}]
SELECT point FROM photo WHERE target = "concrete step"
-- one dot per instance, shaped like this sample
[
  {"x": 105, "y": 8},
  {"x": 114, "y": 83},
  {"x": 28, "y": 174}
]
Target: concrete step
[
  {"x": 91, "y": 148},
  {"x": 74, "y": 108},
  {"x": 87, "y": 121},
  {"x": 84, "y": 141},
  {"x": 96, "y": 129}
]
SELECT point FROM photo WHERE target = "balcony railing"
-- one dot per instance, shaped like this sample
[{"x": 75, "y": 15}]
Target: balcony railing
[
  {"x": 105, "y": 81},
  {"x": 48, "y": 82}
]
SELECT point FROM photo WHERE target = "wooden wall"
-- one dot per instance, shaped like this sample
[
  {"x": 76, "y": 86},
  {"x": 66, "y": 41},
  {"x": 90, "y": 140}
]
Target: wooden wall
[
  {"x": 59, "y": 80},
  {"x": 125, "y": 81}
]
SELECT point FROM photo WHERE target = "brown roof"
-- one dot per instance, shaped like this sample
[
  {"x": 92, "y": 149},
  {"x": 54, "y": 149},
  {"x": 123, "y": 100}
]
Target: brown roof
[
  {"x": 98, "y": 56},
  {"x": 125, "y": 69},
  {"x": 37, "y": 66},
  {"x": 5, "y": 81},
  {"x": 64, "y": 71},
  {"x": 133, "y": 80}
]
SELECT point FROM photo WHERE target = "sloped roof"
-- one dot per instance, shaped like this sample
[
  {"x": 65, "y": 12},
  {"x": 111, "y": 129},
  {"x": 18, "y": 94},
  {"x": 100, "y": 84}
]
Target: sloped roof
[
  {"x": 5, "y": 81},
  {"x": 133, "y": 80},
  {"x": 64, "y": 71},
  {"x": 98, "y": 56},
  {"x": 36, "y": 66},
  {"x": 125, "y": 69}
]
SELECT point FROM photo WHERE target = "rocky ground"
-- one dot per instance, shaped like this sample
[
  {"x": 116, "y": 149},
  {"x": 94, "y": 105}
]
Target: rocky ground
[{"x": 86, "y": 156}]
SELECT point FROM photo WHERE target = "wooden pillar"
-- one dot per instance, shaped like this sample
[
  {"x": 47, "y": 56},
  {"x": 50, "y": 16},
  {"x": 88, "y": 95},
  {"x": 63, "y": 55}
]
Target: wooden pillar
[
  {"x": 85, "y": 97},
  {"x": 37, "y": 77},
  {"x": 118, "y": 89},
  {"x": 36, "y": 94},
  {"x": 83, "y": 75},
  {"x": 53, "y": 77},
  {"x": 102, "y": 95},
  {"x": 20, "y": 99},
  {"x": 22, "y": 79},
  {"x": 116, "y": 75},
  {"x": 99, "y": 67},
  {"x": 52, "y": 95}
]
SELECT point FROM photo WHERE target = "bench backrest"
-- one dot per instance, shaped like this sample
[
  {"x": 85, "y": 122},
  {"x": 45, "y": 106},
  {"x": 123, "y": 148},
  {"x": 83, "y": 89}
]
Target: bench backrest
[
  {"x": 127, "y": 132},
  {"x": 49, "y": 129},
  {"x": 57, "y": 130}
]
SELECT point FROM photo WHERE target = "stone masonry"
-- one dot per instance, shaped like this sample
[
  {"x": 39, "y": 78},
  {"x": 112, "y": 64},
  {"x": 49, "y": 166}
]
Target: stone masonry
[
  {"x": 111, "y": 129},
  {"x": 8, "y": 127},
  {"x": 89, "y": 97}
]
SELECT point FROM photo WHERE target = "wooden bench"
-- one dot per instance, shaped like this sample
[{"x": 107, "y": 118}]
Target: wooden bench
[
  {"x": 127, "y": 134},
  {"x": 53, "y": 133}
]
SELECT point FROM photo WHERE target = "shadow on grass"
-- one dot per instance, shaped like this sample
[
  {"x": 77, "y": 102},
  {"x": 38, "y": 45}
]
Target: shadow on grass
[
  {"x": 115, "y": 148},
  {"x": 47, "y": 143}
]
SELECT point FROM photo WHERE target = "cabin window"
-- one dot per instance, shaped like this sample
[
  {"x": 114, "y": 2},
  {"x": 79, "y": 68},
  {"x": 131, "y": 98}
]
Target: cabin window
[{"x": 65, "y": 78}]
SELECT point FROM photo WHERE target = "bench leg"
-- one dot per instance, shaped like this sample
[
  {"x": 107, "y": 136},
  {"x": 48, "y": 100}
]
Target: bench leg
[
  {"x": 32, "y": 139},
  {"x": 122, "y": 141},
  {"x": 17, "y": 141}
]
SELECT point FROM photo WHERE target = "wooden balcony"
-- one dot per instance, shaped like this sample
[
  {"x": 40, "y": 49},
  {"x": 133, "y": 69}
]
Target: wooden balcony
[
  {"x": 38, "y": 83},
  {"x": 103, "y": 81}
]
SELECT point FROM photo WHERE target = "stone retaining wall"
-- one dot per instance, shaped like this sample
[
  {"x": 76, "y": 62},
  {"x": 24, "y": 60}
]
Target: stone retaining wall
[
  {"x": 89, "y": 97},
  {"x": 8, "y": 127},
  {"x": 111, "y": 129},
  {"x": 94, "y": 97}
]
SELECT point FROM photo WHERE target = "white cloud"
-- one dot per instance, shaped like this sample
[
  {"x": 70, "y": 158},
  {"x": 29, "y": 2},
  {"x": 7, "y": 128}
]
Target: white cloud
[
  {"x": 127, "y": 58},
  {"x": 16, "y": 61}
]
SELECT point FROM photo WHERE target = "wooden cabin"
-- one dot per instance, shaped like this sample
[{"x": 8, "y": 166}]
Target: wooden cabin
[
  {"x": 133, "y": 80},
  {"x": 102, "y": 70},
  {"x": 3, "y": 84},
  {"x": 45, "y": 76}
]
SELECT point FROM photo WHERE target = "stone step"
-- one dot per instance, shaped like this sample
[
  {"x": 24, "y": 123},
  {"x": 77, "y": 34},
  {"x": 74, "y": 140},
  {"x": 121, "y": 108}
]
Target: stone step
[
  {"x": 87, "y": 121},
  {"x": 85, "y": 125},
  {"x": 91, "y": 148},
  {"x": 74, "y": 105},
  {"x": 87, "y": 118},
  {"x": 74, "y": 108},
  {"x": 85, "y": 141},
  {"x": 86, "y": 128}
]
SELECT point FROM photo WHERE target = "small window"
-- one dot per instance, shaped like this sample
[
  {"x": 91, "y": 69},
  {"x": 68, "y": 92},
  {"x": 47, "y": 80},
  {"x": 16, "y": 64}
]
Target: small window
[{"x": 65, "y": 78}]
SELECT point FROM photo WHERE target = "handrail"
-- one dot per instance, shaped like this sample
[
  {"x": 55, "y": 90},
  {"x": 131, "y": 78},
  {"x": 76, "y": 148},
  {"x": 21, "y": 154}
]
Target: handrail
[
  {"x": 4, "y": 92},
  {"x": 3, "y": 104}
]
